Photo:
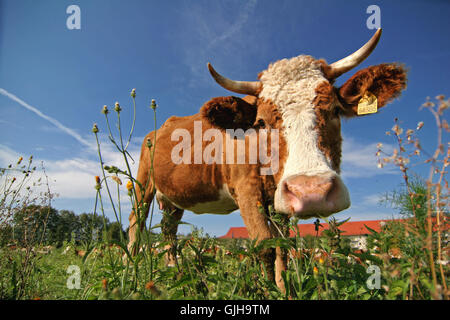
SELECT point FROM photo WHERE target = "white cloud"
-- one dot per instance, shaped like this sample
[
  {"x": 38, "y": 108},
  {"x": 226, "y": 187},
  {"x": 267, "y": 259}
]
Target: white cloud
[
  {"x": 359, "y": 160},
  {"x": 236, "y": 27}
]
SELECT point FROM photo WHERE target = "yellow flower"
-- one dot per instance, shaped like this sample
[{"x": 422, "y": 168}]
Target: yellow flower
[
  {"x": 129, "y": 185},
  {"x": 315, "y": 270},
  {"x": 321, "y": 261},
  {"x": 20, "y": 160}
]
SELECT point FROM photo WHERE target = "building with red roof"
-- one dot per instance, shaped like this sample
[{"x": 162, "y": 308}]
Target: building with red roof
[
  {"x": 356, "y": 230},
  {"x": 350, "y": 228}
]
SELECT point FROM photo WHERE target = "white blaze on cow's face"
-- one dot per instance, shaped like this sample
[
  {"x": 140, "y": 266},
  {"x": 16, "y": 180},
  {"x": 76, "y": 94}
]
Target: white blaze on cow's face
[{"x": 309, "y": 186}]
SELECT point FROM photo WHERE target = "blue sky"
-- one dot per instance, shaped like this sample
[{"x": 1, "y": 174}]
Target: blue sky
[{"x": 54, "y": 81}]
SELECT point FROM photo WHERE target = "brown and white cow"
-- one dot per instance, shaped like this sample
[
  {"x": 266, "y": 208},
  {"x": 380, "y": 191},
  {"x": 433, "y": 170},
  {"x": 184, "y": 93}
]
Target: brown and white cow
[{"x": 295, "y": 96}]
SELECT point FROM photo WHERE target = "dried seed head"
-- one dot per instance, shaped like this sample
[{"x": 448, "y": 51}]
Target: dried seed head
[
  {"x": 397, "y": 129},
  {"x": 116, "y": 179},
  {"x": 419, "y": 125}
]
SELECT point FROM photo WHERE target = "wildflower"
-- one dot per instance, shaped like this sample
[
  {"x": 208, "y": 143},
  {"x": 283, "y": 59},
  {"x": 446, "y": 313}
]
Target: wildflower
[
  {"x": 105, "y": 110},
  {"x": 315, "y": 270},
  {"x": 321, "y": 260},
  {"x": 260, "y": 207},
  {"x": 94, "y": 128},
  {"x": 104, "y": 284},
  {"x": 13, "y": 179},
  {"x": 149, "y": 143},
  {"x": 133, "y": 93},
  {"x": 150, "y": 286},
  {"x": 153, "y": 105},
  {"x": 20, "y": 160},
  {"x": 117, "y": 107},
  {"x": 97, "y": 183},
  {"x": 379, "y": 145},
  {"x": 380, "y": 165},
  {"x": 129, "y": 185}
]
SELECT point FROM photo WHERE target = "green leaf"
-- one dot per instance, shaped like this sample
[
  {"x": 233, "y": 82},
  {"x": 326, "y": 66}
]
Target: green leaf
[{"x": 371, "y": 230}]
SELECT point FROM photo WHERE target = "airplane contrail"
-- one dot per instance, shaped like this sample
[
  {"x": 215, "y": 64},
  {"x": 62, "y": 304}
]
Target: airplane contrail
[{"x": 53, "y": 121}]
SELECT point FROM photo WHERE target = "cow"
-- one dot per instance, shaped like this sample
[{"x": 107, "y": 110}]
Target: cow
[{"x": 294, "y": 98}]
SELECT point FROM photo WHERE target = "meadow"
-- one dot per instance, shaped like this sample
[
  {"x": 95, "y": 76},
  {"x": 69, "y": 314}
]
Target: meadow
[{"x": 407, "y": 259}]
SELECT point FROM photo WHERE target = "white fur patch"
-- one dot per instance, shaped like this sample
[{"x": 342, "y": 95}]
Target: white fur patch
[{"x": 291, "y": 85}]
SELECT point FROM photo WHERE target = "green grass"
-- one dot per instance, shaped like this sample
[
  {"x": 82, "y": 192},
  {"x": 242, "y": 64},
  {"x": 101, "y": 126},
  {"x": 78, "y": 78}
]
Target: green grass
[{"x": 210, "y": 268}]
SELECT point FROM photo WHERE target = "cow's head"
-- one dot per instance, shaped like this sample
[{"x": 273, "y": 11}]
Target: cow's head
[{"x": 298, "y": 95}]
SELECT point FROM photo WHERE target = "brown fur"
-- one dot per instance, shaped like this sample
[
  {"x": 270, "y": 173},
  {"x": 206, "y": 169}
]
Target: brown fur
[
  {"x": 229, "y": 113},
  {"x": 385, "y": 81},
  {"x": 328, "y": 124}
]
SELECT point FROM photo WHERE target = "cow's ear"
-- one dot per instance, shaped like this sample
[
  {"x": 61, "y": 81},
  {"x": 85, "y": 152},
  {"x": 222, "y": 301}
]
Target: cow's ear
[
  {"x": 230, "y": 112},
  {"x": 385, "y": 81}
]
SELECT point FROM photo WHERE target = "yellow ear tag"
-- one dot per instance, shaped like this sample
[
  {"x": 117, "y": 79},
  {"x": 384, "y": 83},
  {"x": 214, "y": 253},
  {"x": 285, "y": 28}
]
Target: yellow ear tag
[{"x": 367, "y": 104}]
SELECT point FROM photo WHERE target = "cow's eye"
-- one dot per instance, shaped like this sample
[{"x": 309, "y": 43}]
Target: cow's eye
[{"x": 260, "y": 123}]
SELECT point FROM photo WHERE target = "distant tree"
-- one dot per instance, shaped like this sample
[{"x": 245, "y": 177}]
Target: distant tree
[
  {"x": 35, "y": 224},
  {"x": 114, "y": 232},
  {"x": 91, "y": 227},
  {"x": 5, "y": 234},
  {"x": 69, "y": 227}
]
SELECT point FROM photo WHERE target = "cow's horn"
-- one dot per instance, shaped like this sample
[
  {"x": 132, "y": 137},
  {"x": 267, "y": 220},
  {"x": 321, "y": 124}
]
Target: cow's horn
[
  {"x": 342, "y": 66},
  {"x": 243, "y": 87}
]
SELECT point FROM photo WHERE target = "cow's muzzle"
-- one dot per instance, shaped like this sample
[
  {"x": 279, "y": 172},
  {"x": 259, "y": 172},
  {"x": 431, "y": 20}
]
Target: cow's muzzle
[{"x": 312, "y": 196}]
